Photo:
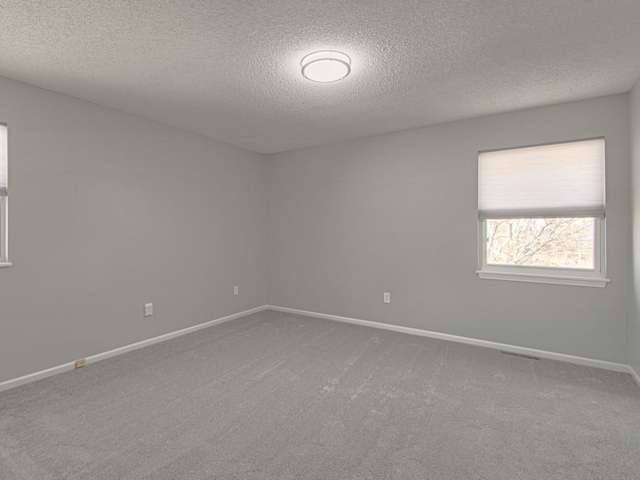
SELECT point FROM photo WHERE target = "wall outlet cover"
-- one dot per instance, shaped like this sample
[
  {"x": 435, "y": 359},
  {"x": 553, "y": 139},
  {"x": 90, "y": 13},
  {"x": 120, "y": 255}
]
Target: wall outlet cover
[
  {"x": 148, "y": 309},
  {"x": 81, "y": 363}
]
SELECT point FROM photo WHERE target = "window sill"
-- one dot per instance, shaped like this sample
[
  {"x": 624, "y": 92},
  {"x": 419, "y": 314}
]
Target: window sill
[
  {"x": 543, "y": 278},
  {"x": 5, "y": 264}
]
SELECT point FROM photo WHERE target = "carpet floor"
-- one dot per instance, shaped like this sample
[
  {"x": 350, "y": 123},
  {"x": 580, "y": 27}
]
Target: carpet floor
[{"x": 280, "y": 396}]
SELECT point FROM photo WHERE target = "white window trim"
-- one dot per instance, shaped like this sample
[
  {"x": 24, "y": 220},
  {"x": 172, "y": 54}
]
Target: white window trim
[
  {"x": 553, "y": 275},
  {"x": 4, "y": 237}
]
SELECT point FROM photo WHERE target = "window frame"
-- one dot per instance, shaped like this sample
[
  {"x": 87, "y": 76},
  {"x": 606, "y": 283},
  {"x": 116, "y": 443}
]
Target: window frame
[
  {"x": 596, "y": 277},
  {"x": 4, "y": 231},
  {"x": 4, "y": 219}
]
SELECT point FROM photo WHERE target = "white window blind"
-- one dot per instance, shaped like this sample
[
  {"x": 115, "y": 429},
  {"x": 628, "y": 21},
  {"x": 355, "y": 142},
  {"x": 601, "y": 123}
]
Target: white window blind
[
  {"x": 559, "y": 180},
  {"x": 3, "y": 160}
]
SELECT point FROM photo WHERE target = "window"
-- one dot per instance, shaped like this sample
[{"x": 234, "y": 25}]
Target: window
[
  {"x": 542, "y": 213},
  {"x": 4, "y": 198}
]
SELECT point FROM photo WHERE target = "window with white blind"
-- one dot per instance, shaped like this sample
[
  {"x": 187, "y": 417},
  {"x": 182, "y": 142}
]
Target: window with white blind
[
  {"x": 4, "y": 198},
  {"x": 541, "y": 213}
]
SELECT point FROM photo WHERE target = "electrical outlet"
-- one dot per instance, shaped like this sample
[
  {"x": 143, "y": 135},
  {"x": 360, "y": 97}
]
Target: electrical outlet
[
  {"x": 81, "y": 363},
  {"x": 387, "y": 297},
  {"x": 236, "y": 290},
  {"x": 148, "y": 309}
]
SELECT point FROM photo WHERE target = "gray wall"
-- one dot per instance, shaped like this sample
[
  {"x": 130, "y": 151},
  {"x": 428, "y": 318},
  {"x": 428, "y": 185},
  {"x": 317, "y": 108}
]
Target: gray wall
[
  {"x": 398, "y": 213},
  {"x": 634, "y": 317},
  {"x": 109, "y": 211}
]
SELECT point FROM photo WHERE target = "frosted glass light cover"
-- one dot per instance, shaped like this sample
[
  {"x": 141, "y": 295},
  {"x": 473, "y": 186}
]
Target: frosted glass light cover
[{"x": 326, "y": 66}]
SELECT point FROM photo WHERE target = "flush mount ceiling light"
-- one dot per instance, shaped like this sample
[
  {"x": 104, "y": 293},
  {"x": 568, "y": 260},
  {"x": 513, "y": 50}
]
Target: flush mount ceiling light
[{"x": 326, "y": 66}]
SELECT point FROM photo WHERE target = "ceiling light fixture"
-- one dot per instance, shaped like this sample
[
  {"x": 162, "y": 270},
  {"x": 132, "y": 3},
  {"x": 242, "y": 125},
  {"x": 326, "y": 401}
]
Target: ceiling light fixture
[{"x": 326, "y": 66}]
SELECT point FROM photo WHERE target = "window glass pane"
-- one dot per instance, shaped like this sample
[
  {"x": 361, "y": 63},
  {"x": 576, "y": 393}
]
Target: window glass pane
[
  {"x": 541, "y": 242},
  {"x": 3, "y": 231}
]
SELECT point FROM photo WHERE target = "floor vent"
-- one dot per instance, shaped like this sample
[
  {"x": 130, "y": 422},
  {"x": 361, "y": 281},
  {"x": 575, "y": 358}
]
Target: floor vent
[{"x": 520, "y": 355}]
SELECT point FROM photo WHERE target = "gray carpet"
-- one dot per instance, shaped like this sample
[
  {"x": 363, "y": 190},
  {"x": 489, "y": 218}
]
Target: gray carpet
[{"x": 278, "y": 396}]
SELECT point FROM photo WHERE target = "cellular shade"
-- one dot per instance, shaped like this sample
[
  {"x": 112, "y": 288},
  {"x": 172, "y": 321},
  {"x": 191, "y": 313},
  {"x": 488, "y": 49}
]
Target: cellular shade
[
  {"x": 3, "y": 160},
  {"x": 559, "y": 180}
]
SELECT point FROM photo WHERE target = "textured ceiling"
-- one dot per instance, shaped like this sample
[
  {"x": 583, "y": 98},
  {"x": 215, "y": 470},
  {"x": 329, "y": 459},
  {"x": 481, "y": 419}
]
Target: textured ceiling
[{"x": 229, "y": 69}]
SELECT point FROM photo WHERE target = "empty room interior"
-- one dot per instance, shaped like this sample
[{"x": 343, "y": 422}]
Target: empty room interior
[{"x": 279, "y": 239}]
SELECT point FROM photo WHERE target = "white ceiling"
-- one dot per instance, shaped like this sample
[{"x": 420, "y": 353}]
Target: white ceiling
[{"x": 229, "y": 69}]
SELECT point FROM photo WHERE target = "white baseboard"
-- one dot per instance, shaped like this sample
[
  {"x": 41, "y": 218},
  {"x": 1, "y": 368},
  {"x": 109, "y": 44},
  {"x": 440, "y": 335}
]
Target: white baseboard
[
  {"x": 590, "y": 362},
  {"x": 32, "y": 377},
  {"x": 618, "y": 367}
]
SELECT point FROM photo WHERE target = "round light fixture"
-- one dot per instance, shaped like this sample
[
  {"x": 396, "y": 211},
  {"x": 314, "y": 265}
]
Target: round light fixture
[{"x": 326, "y": 66}]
